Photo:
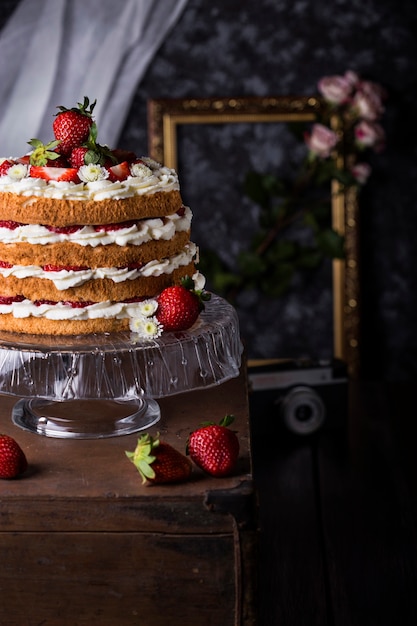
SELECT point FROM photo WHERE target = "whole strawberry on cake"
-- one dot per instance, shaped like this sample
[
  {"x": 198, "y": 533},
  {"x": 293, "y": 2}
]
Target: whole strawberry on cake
[{"x": 92, "y": 237}]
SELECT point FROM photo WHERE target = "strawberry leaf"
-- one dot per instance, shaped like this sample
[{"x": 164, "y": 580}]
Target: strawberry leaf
[{"x": 227, "y": 420}]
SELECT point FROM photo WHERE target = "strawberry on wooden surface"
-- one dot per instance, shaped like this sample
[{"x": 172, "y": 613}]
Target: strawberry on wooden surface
[
  {"x": 214, "y": 447},
  {"x": 158, "y": 462},
  {"x": 12, "y": 458}
]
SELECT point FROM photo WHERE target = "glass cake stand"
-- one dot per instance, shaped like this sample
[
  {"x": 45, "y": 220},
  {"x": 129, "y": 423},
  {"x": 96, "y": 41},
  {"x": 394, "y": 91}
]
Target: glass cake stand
[{"x": 105, "y": 385}]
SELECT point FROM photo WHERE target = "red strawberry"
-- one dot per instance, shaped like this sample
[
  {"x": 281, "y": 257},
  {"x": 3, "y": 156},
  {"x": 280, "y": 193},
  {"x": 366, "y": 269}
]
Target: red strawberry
[
  {"x": 178, "y": 308},
  {"x": 158, "y": 462},
  {"x": 12, "y": 458},
  {"x": 4, "y": 167},
  {"x": 25, "y": 159},
  {"x": 67, "y": 174},
  {"x": 214, "y": 447},
  {"x": 123, "y": 155},
  {"x": 180, "y": 305},
  {"x": 77, "y": 157},
  {"x": 72, "y": 126},
  {"x": 119, "y": 172}
]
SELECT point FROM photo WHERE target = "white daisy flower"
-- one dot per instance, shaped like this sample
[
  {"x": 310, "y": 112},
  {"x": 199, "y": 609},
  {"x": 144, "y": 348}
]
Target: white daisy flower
[
  {"x": 92, "y": 172},
  {"x": 147, "y": 308},
  {"x": 17, "y": 171},
  {"x": 154, "y": 165},
  {"x": 140, "y": 170},
  {"x": 146, "y": 327}
]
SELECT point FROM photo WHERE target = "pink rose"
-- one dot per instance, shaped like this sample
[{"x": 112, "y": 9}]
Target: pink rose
[
  {"x": 361, "y": 172},
  {"x": 352, "y": 78},
  {"x": 321, "y": 140},
  {"x": 367, "y": 102},
  {"x": 369, "y": 135},
  {"x": 335, "y": 89}
]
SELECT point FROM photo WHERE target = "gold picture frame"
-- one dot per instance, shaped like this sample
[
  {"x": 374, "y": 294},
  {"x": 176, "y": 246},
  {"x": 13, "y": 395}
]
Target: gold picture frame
[{"x": 166, "y": 115}]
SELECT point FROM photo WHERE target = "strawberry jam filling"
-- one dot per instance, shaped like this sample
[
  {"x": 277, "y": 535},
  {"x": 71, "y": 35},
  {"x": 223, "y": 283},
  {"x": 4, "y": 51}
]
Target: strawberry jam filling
[
  {"x": 72, "y": 303},
  {"x": 135, "y": 265},
  {"x": 67, "y": 268},
  {"x": 9, "y": 224},
  {"x": 11, "y": 299},
  {"x": 69, "y": 230}
]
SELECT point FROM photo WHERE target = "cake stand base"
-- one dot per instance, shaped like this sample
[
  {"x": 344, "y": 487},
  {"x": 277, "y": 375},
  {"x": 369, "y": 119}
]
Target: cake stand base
[{"x": 85, "y": 419}]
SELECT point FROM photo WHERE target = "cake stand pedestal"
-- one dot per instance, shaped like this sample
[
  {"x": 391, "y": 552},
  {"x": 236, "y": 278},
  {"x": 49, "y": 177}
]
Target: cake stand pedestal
[{"x": 106, "y": 385}]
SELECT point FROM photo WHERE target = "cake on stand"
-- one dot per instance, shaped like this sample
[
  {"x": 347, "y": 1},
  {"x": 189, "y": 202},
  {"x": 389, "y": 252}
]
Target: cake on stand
[{"x": 105, "y": 385}]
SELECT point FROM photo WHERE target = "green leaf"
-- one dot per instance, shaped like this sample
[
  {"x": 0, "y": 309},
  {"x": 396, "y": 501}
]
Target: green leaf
[
  {"x": 331, "y": 243},
  {"x": 309, "y": 258}
]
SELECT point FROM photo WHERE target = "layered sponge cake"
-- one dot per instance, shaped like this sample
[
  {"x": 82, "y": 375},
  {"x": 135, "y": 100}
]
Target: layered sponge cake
[{"x": 84, "y": 245}]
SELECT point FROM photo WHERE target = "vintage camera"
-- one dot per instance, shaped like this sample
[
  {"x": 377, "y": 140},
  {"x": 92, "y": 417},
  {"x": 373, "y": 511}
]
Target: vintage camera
[{"x": 305, "y": 395}]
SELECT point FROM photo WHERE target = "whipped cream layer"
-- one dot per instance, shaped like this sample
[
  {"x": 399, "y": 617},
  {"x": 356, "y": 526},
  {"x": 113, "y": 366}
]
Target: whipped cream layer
[
  {"x": 152, "y": 179},
  {"x": 62, "y": 311},
  {"x": 134, "y": 234},
  {"x": 66, "y": 279}
]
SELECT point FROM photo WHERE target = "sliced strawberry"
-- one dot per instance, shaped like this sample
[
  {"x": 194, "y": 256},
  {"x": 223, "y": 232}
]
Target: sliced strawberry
[
  {"x": 5, "y": 264},
  {"x": 67, "y": 268},
  {"x": 71, "y": 303},
  {"x": 40, "y": 302},
  {"x": 5, "y": 166},
  {"x": 61, "y": 174},
  {"x": 135, "y": 266},
  {"x": 78, "y": 304},
  {"x": 9, "y": 224},
  {"x": 133, "y": 300},
  {"x": 121, "y": 171},
  {"x": 64, "y": 230},
  {"x": 25, "y": 159},
  {"x": 11, "y": 299}
]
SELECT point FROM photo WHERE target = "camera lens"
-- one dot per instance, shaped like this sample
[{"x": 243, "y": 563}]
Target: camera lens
[{"x": 302, "y": 410}]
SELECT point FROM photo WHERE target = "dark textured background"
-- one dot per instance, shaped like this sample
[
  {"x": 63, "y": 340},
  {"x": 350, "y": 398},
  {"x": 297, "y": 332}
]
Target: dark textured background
[{"x": 230, "y": 48}]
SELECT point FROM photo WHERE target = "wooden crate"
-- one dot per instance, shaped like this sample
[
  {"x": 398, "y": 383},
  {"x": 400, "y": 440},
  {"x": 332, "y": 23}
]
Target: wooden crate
[{"x": 83, "y": 542}]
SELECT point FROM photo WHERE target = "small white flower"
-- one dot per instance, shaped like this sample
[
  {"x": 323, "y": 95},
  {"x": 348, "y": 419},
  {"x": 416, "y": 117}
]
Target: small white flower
[
  {"x": 147, "y": 308},
  {"x": 154, "y": 165},
  {"x": 91, "y": 173},
  {"x": 17, "y": 171},
  {"x": 140, "y": 170},
  {"x": 199, "y": 280},
  {"x": 146, "y": 327}
]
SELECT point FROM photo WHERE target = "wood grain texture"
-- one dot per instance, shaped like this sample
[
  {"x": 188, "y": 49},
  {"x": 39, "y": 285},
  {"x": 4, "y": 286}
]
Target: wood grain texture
[{"x": 82, "y": 541}]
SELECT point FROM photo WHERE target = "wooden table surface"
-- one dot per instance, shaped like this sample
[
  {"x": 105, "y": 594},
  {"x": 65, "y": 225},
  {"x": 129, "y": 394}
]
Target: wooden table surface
[
  {"x": 82, "y": 541},
  {"x": 338, "y": 515}
]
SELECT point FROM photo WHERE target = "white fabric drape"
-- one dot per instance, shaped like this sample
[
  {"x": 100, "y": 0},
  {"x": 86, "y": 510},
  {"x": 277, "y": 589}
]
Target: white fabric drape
[{"x": 55, "y": 52}]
